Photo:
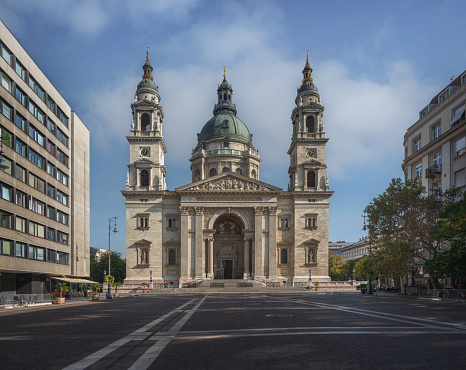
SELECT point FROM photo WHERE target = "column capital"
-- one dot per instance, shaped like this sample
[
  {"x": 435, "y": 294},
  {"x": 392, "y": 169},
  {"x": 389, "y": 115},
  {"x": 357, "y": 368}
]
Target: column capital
[
  {"x": 273, "y": 211},
  {"x": 258, "y": 210},
  {"x": 184, "y": 210},
  {"x": 199, "y": 210}
]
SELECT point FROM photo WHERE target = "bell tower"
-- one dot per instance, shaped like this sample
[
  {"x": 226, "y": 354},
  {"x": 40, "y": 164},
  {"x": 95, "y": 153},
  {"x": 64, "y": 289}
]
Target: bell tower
[
  {"x": 147, "y": 149},
  {"x": 307, "y": 169}
]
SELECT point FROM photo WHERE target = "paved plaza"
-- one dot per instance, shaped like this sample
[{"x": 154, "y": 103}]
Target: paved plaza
[{"x": 311, "y": 330}]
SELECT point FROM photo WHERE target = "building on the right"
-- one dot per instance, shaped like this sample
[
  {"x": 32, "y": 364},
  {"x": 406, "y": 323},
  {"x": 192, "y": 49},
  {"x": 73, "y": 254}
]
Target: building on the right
[{"x": 435, "y": 146}]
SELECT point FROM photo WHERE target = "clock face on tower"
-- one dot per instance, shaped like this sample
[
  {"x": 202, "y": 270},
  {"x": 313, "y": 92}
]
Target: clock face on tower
[
  {"x": 144, "y": 152},
  {"x": 312, "y": 153}
]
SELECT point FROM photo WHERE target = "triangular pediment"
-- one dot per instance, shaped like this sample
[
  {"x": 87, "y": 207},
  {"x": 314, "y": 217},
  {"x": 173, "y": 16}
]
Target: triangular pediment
[
  {"x": 313, "y": 162},
  {"x": 143, "y": 161},
  {"x": 229, "y": 182},
  {"x": 143, "y": 242},
  {"x": 311, "y": 241}
]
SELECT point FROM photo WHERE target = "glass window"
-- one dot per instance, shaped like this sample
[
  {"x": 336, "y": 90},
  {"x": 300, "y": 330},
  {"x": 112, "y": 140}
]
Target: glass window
[
  {"x": 62, "y": 237},
  {"x": 62, "y": 157},
  {"x": 36, "y": 182},
  {"x": 20, "y": 147},
  {"x": 40, "y": 254},
  {"x": 20, "y": 70},
  {"x": 436, "y": 131},
  {"x": 418, "y": 171},
  {"x": 50, "y": 169},
  {"x": 62, "y": 137},
  {"x": 50, "y": 125},
  {"x": 6, "y": 54},
  {"x": 172, "y": 256},
  {"x": 459, "y": 146},
  {"x": 62, "y": 258},
  {"x": 36, "y": 205},
  {"x": 20, "y": 250},
  {"x": 36, "y": 229},
  {"x": 63, "y": 218},
  {"x": 6, "y": 192},
  {"x": 417, "y": 144},
  {"x": 51, "y": 104},
  {"x": 6, "y": 136},
  {"x": 284, "y": 256},
  {"x": 36, "y": 88},
  {"x": 50, "y": 147},
  {"x": 437, "y": 159},
  {"x": 238, "y": 171},
  {"x": 20, "y": 173},
  {"x": 460, "y": 178},
  {"x": 51, "y": 234},
  {"x": 20, "y": 224},
  {"x": 36, "y": 112},
  {"x": 31, "y": 252},
  {"x": 50, "y": 212},
  {"x": 6, "y": 219},
  {"x": 8, "y": 164},
  {"x": 213, "y": 172},
  {"x": 21, "y": 96},
  {"x": 6, "y": 81},
  {"x": 36, "y": 135},
  {"x": 37, "y": 159},
  {"x": 20, "y": 121},
  {"x": 62, "y": 197},
  {"x": 6, "y": 110},
  {"x": 51, "y": 191},
  {"x": 20, "y": 199},
  {"x": 62, "y": 117},
  {"x": 7, "y": 246},
  {"x": 62, "y": 177},
  {"x": 225, "y": 169},
  {"x": 51, "y": 255}
]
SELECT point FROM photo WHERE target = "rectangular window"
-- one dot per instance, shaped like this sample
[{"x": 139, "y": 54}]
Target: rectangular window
[
  {"x": 62, "y": 197},
  {"x": 6, "y": 54},
  {"x": 8, "y": 164},
  {"x": 62, "y": 258},
  {"x": 143, "y": 222},
  {"x": 460, "y": 178},
  {"x": 417, "y": 144},
  {"x": 62, "y": 237},
  {"x": 36, "y": 205},
  {"x": 36, "y": 182},
  {"x": 62, "y": 157},
  {"x": 31, "y": 252},
  {"x": 6, "y": 219},
  {"x": 40, "y": 254},
  {"x": 51, "y": 104},
  {"x": 62, "y": 137},
  {"x": 50, "y": 212},
  {"x": 51, "y": 191},
  {"x": 36, "y": 112},
  {"x": 283, "y": 223},
  {"x": 20, "y": 173},
  {"x": 36, "y": 135},
  {"x": 50, "y": 125},
  {"x": 6, "y": 247},
  {"x": 6, "y": 81},
  {"x": 20, "y": 199},
  {"x": 51, "y": 234},
  {"x": 436, "y": 131},
  {"x": 36, "y": 88},
  {"x": 20, "y": 147},
  {"x": 20, "y": 70},
  {"x": 6, "y": 110},
  {"x": 63, "y": 218},
  {"x": 50, "y": 147},
  {"x": 20, "y": 121},
  {"x": 51, "y": 255},
  {"x": 437, "y": 189},
  {"x": 62, "y": 117},
  {"x": 20, "y": 224},
  {"x": 50, "y": 169},
  {"x": 6, "y": 192},
  {"x": 36, "y": 229},
  {"x": 6, "y": 136},
  {"x": 20, "y": 250},
  {"x": 62, "y": 177},
  {"x": 418, "y": 171},
  {"x": 437, "y": 159},
  {"x": 21, "y": 96},
  {"x": 459, "y": 146},
  {"x": 37, "y": 159}
]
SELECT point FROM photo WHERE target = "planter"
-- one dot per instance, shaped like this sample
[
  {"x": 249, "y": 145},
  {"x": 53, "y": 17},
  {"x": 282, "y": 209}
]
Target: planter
[
  {"x": 95, "y": 297},
  {"x": 116, "y": 295},
  {"x": 59, "y": 300}
]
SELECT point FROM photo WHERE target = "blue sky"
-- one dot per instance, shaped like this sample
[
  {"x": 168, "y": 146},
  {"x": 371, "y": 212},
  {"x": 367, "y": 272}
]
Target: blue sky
[{"x": 376, "y": 64}]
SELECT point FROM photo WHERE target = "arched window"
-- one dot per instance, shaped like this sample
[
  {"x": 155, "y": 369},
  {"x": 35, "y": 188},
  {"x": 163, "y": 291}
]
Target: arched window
[
  {"x": 212, "y": 172},
  {"x": 283, "y": 256},
  {"x": 225, "y": 169},
  {"x": 311, "y": 179},
  {"x": 197, "y": 175},
  {"x": 144, "y": 178},
  {"x": 310, "y": 124},
  {"x": 238, "y": 171},
  {"x": 254, "y": 174},
  {"x": 172, "y": 257},
  {"x": 145, "y": 122}
]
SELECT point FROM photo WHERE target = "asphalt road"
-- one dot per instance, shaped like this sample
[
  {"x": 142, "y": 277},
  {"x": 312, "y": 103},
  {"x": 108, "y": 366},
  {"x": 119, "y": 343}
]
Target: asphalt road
[{"x": 237, "y": 331}]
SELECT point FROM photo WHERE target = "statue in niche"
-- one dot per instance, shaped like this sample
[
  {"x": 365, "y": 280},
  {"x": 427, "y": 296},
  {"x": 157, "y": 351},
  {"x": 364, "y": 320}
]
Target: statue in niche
[
  {"x": 310, "y": 255},
  {"x": 143, "y": 257}
]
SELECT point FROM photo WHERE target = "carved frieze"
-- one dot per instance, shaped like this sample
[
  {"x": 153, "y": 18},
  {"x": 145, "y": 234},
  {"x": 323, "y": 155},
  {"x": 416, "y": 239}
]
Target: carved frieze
[{"x": 230, "y": 184}]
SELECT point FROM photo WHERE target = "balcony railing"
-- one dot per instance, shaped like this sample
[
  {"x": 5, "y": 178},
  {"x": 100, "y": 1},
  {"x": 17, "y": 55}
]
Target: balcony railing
[{"x": 433, "y": 170}]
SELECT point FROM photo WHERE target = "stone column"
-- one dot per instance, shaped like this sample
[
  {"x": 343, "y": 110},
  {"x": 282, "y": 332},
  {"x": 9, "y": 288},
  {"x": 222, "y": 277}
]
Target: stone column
[
  {"x": 272, "y": 242},
  {"x": 199, "y": 260},
  {"x": 210, "y": 274},
  {"x": 246, "y": 258},
  {"x": 184, "y": 252},
  {"x": 258, "y": 255}
]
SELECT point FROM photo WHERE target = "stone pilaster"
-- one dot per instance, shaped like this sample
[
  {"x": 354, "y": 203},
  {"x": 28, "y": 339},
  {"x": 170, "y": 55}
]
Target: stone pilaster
[
  {"x": 272, "y": 242},
  {"x": 184, "y": 252},
  {"x": 210, "y": 274},
  {"x": 258, "y": 255},
  {"x": 199, "y": 260}
]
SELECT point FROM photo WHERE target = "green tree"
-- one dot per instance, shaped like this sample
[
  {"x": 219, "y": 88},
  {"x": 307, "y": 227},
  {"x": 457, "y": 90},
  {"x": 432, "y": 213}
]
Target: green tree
[
  {"x": 361, "y": 268},
  {"x": 451, "y": 231},
  {"x": 336, "y": 267},
  {"x": 400, "y": 221},
  {"x": 100, "y": 268}
]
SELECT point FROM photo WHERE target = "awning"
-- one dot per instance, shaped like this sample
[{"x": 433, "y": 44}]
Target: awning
[
  {"x": 459, "y": 112},
  {"x": 73, "y": 280}
]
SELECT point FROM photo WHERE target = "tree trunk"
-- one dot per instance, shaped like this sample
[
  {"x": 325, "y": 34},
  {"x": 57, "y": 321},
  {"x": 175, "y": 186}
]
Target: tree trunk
[{"x": 433, "y": 281}]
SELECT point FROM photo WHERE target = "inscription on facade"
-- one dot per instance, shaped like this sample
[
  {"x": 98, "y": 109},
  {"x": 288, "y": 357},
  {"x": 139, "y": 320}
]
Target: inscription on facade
[{"x": 228, "y": 199}]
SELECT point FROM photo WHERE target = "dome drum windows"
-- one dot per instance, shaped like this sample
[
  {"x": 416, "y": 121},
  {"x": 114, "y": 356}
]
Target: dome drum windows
[{"x": 212, "y": 172}]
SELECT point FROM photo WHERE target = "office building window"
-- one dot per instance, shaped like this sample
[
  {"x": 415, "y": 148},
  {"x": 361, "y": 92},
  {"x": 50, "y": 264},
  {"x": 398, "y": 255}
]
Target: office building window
[
  {"x": 36, "y": 112},
  {"x": 20, "y": 224},
  {"x": 6, "y": 81},
  {"x": 437, "y": 159},
  {"x": 6, "y": 192},
  {"x": 50, "y": 125},
  {"x": 51, "y": 191},
  {"x": 20, "y": 70},
  {"x": 6, "y": 219},
  {"x": 62, "y": 117},
  {"x": 8, "y": 164},
  {"x": 36, "y": 88},
  {"x": 62, "y": 197},
  {"x": 6, "y": 54},
  {"x": 62, "y": 258},
  {"x": 20, "y": 147},
  {"x": 51, "y": 234},
  {"x": 20, "y": 250},
  {"x": 36, "y": 182},
  {"x": 36, "y": 135},
  {"x": 6, "y": 109},
  {"x": 436, "y": 131},
  {"x": 20, "y": 121},
  {"x": 6, "y": 136},
  {"x": 62, "y": 177},
  {"x": 51, "y": 212},
  {"x": 63, "y": 217},
  {"x": 62, "y": 237},
  {"x": 37, "y": 159},
  {"x": 20, "y": 199},
  {"x": 51, "y": 104},
  {"x": 36, "y": 229},
  {"x": 6, "y": 247},
  {"x": 50, "y": 169},
  {"x": 61, "y": 136}
]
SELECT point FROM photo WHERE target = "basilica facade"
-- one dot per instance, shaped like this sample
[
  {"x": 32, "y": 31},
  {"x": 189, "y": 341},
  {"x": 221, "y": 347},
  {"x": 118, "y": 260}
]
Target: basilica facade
[{"x": 226, "y": 224}]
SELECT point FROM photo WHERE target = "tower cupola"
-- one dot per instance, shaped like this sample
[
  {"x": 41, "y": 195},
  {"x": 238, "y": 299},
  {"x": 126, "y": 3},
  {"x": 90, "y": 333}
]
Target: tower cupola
[
  {"x": 147, "y": 81},
  {"x": 307, "y": 84},
  {"x": 224, "y": 92}
]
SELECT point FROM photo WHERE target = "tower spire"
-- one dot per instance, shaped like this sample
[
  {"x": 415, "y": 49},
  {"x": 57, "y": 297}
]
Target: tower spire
[
  {"x": 224, "y": 73},
  {"x": 307, "y": 69}
]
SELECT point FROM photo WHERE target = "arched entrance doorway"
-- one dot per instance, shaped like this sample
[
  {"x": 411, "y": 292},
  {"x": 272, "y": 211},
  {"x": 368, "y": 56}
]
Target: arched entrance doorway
[{"x": 228, "y": 247}]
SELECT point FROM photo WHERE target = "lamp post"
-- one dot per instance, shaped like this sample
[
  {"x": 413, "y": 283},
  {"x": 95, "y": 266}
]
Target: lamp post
[
  {"x": 111, "y": 222},
  {"x": 370, "y": 270},
  {"x": 310, "y": 278}
]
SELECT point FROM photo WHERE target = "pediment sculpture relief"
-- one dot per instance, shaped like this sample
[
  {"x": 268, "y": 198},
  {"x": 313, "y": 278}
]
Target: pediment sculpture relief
[{"x": 230, "y": 184}]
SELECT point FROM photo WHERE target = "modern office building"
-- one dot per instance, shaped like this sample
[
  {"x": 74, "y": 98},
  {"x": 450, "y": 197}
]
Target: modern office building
[
  {"x": 435, "y": 146},
  {"x": 226, "y": 223},
  {"x": 44, "y": 191}
]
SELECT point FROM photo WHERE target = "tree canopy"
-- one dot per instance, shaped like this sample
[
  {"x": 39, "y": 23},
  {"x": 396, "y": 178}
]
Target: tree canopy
[{"x": 99, "y": 269}]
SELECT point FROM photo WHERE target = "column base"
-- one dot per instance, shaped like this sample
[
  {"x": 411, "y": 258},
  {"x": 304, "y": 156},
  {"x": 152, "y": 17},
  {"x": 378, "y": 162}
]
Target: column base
[{"x": 210, "y": 276}]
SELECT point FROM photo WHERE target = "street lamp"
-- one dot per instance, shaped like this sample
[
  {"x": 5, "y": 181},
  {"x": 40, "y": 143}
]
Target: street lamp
[
  {"x": 111, "y": 222},
  {"x": 310, "y": 278},
  {"x": 370, "y": 271}
]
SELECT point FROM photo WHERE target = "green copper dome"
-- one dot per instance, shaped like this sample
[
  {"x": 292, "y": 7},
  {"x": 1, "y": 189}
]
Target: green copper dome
[{"x": 224, "y": 125}]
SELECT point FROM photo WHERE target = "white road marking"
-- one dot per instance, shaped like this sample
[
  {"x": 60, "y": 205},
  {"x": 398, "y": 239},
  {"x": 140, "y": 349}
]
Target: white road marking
[
  {"x": 138, "y": 334},
  {"x": 154, "y": 351}
]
